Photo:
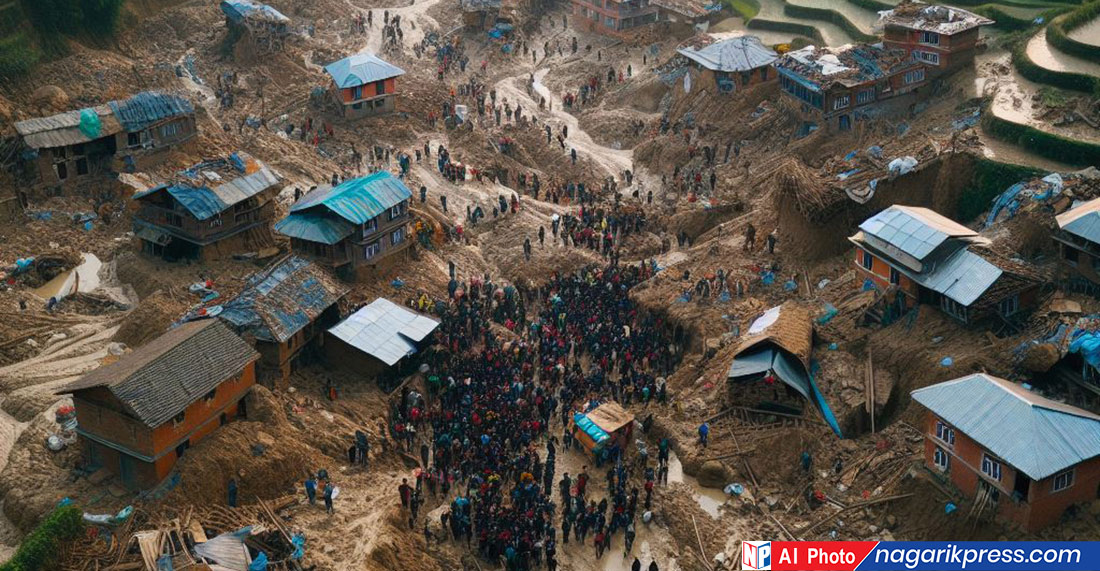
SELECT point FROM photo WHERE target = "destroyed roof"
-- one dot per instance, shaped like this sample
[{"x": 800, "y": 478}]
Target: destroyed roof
[
  {"x": 281, "y": 300},
  {"x": 945, "y": 20},
  {"x": 742, "y": 53},
  {"x": 314, "y": 227},
  {"x": 204, "y": 202},
  {"x": 817, "y": 68},
  {"x": 240, "y": 10},
  {"x": 385, "y": 330},
  {"x": 914, "y": 230},
  {"x": 161, "y": 379},
  {"x": 1082, "y": 220},
  {"x": 610, "y": 417},
  {"x": 149, "y": 107},
  {"x": 689, "y": 8},
  {"x": 786, "y": 326},
  {"x": 1037, "y": 436},
  {"x": 63, "y": 129},
  {"x": 359, "y": 199},
  {"x": 361, "y": 69}
]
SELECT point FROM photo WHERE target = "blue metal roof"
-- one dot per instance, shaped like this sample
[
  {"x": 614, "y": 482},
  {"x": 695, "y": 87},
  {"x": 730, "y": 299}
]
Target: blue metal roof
[
  {"x": 1037, "y": 436},
  {"x": 315, "y": 227},
  {"x": 204, "y": 202},
  {"x": 359, "y": 199},
  {"x": 361, "y": 69},
  {"x": 238, "y": 10},
  {"x": 281, "y": 300},
  {"x": 149, "y": 107},
  {"x": 963, "y": 277},
  {"x": 1082, "y": 220},
  {"x": 915, "y": 231}
]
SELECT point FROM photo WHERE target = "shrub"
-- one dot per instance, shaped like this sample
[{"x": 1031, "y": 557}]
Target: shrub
[
  {"x": 746, "y": 9},
  {"x": 40, "y": 549},
  {"x": 1042, "y": 143},
  {"x": 1059, "y": 29},
  {"x": 991, "y": 178},
  {"x": 17, "y": 55},
  {"x": 1039, "y": 74}
]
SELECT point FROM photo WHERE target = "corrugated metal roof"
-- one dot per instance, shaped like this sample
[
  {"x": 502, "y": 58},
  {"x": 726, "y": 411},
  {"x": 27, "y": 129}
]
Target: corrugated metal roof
[
  {"x": 63, "y": 129},
  {"x": 279, "y": 301},
  {"x": 963, "y": 277},
  {"x": 743, "y": 53},
  {"x": 1082, "y": 220},
  {"x": 238, "y": 10},
  {"x": 315, "y": 227},
  {"x": 913, "y": 230},
  {"x": 1038, "y": 436},
  {"x": 385, "y": 330},
  {"x": 149, "y": 107},
  {"x": 361, "y": 69},
  {"x": 785, "y": 367},
  {"x": 161, "y": 379},
  {"x": 205, "y": 202},
  {"x": 359, "y": 199}
]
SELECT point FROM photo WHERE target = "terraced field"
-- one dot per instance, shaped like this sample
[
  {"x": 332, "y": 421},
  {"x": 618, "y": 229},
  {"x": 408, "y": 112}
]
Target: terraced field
[
  {"x": 1088, "y": 34},
  {"x": 833, "y": 34},
  {"x": 863, "y": 18},
  {"x": 1046, "y": 56}
]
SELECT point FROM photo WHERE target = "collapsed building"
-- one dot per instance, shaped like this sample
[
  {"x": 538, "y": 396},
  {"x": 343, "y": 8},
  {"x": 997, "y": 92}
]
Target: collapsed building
[
  {"x": 266, "y": 26},
  {"x": 731, "y": 64},
  {"x": 363, "y": 84},
  {"x": 64, "y": 150},
  {"x": 214, "y": 209},
  {"x": 834, "y": 89},
  {"x": 943, "y": 38},
  {"x": 479, "y": 14}
]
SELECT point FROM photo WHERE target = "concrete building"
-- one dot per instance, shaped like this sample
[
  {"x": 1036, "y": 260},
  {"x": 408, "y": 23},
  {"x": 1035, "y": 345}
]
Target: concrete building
[
  {"x": 613, "y": 18},
  {"x": 67, "y": 149},
  {"x": 376, "y": 339},
  {"x": 732, "y": 64},
  {"x": 364, "y": 84},
  {"x": 1078, "y": 240},
  {"x": 934, "y": 260},
  {"x": 837, "y": 88},
  {"x": 283, "y": 310},
  {"x": 209, "y": 211},
  {"x": 1029, "y": 457},
  {"x": 356, "y": 227},
  {"x": 140, "y": 414},
  {"x": 943, "y": 38}
]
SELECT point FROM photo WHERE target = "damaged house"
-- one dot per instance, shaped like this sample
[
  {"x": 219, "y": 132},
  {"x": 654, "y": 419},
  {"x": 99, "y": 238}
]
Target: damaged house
[
  {"x": 355, "y": 227},
  {"x": 364, "y": 84},
  {"x": 771, "y": 368},
  {"x": 479, "y": 14},
  {"x": 283, "y": 310},
  {"x": 1020, "y": 456},
  {"x": 732, "y": 64},
  {"x": 266, "y": 26},
  {"x": 934, "y": 260},
  {"x": 836, "y": 88},
  {"x": 1078, "y": 240},
  {"x": 214, "y": 209},
  {"x": 612, "y": 17},
  {"x": 139, "y": 415},
  {"x": 943, "y": 38},
  {"x": 376, "y": 339},
  {"x": 121, "y": 136}
]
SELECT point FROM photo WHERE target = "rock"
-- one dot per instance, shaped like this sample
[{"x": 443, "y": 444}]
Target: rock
[
  {"x": 1040, "y": 358},
  {"x": 117, "y": 349},
  {"x": 50, "y": 96},
  {"x": 891, "y": 521},
  {"x": 713, "y": 474}
]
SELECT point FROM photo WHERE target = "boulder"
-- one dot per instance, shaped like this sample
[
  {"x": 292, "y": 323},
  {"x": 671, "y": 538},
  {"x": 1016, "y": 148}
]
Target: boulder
[
  {"x": 50, "y": 97},
  {"x": 713, "y": 474}
]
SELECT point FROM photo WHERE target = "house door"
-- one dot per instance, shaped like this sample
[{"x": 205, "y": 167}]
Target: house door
[
  {"x": 845, "y": 122},
  {"x": 1022, "y": 488},
  {"x": 126, "y": 470}
]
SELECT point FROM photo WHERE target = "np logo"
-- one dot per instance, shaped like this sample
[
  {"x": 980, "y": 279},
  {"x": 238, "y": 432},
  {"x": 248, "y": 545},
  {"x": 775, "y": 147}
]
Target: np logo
[{"x": 756, "y": 555}]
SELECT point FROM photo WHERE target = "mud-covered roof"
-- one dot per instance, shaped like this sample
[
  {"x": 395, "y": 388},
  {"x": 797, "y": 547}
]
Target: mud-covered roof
[
  {"x": 937, "y": 18},
  {"x": 817, "y": 68}
]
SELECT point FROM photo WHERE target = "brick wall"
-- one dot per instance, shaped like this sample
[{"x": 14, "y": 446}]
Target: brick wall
[{"x": 880, "y": 274}]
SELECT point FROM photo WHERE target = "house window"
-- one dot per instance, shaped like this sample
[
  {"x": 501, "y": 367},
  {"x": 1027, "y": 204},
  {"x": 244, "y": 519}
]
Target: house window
[
  {"x": 380, "y": 87},
  {"x": 865, "y": 96},
  {"x": 609, "y": 22},
  {"x": 379, "y": 103},
  {"x": 396, "y": 211},
  {"x": 59, "y": 154},
  {"x": 356, "y": 106},
  {"x": 82, "y": 166},
  {"x": 210, "y": 395},
  {"x": 62, "y": 170},
  {"x": 370, "y": 226},
  {"x": 170, "y": 130},
  {"x": 357, "y": 92},
  {"x": 1009, "y": 305},
  {"x": 945, "y": 433},
  {"x": 397, "y": 237},
  {"x": 1062, "y": 481},
  {"x": 929, "y": 57},
  {"x": 953, "y": 308},
  {"x": 866, "y": 259},
  {"x": 895, "y": 276},
  {"x": 764, "y": 73},
  {"x": 842, "y": 102},
  {"x": 930, "y": 38},
  {"x": 1071, "y": 255},
  {"x": 371, "y": 250},
  {"x": 746, "y": 78},
  {"x": 915, "y": 76},
  {"x": 178, "y": 420},
  {"x": 133, "y": 139},
  {"x": 941, "y": 459},
  {"x": 991, "y": 467}
]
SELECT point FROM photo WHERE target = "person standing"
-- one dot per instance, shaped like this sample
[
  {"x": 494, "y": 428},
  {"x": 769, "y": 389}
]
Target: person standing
[
  {"x": 405, "y": 491},
  {"x": 329, "y": 489},
  {"x": 311, "y": 490}
]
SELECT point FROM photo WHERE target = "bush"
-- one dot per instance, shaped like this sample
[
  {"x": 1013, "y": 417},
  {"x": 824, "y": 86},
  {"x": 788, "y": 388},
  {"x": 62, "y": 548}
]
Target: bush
[
  {"x": 101, "y": 16},
  {"x": 1042, "y": 143},
  {"x": 1039, "y": 74},
  {"x": 17, "y": 56},
  {"x": 788, "y": 27},
  {"x": 1059, "y": 29},
  {"x": 40, "y": 549},
  {"x": 828, "y": 15},
  {"x": 746, "y": 9}
]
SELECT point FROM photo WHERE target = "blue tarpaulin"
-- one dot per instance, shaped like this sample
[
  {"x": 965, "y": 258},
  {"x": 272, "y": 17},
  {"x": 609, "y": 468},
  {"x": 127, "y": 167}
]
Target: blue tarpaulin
[
  {"x": 1088, "y": 345},
  {"x": 1002, "y": 201},
  {"x": 597, "y": 434}
]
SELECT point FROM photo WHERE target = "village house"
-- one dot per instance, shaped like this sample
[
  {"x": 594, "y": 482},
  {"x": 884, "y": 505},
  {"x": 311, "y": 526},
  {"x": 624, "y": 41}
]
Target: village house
[
  {"x": 121, "y": 136},
  {"x": 364, "y": 84},
  {"x": 139, "y": 415},
  {"x": 212, "y": 210},
  {"x": 943, "y": 38},
  {"x": 731, "y": 64},
  {"x": 1026, "y": 457},
  {"x": 479, "y": 14},
  {"x": 264, "y": 24},
  {"x": 613, "y": 18},
  {"x": 837, "y": 88},
  {"x": 356, "y": 227},
  {"x": 283, "y": 310},
  {"x": 376, "y": 339},
  {"x": 1078, "y": 240},
  {"x": 934, "y": 260}
]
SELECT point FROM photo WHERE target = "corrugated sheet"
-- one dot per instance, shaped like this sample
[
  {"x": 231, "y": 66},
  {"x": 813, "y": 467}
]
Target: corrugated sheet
[
  {"x": 751, "y": 364},
  {"x": 315, "y": 228},
  {"x": 63, "y": 129},
  {"x": 963, "y": 277},
  {"x": 610, "y": 417},
  {"x": 149, "y": 107},
  {"x": 151, "y": 234},
  {"x": 385, "y": 330},
  {"x": 205, "y": 203},
  {"x": 161, "y": 379},
  {"x": 784, "y": 366},
  {"x": 915, "y": 231},
  {"x": 735, "y": 54},
  {"x": 1038, "y": 436},
  {"x": 238, "y": 10},
  {"x": 361, "y": 69},
  {"x": 1082, "y": 220},
  {"x": 359, "y": 199},
  {"x": 279, "y": 301}
]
